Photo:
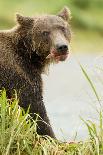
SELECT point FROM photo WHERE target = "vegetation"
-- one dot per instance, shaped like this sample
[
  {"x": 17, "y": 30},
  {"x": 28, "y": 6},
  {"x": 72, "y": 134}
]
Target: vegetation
[
  {"x": 86, "y": 14},
  {"x": 19, "y": 137},
  {"x": 86, "y": 22}
]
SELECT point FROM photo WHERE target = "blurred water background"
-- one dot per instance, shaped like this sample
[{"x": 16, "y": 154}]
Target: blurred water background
[{"x": 67, "y": 93}]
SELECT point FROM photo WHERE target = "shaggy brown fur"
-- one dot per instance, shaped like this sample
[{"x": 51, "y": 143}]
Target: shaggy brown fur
[{"x": 25, "y": 51}]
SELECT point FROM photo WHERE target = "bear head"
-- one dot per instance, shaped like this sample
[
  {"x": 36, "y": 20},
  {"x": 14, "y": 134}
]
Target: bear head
[{"x": 49, "y": 35}]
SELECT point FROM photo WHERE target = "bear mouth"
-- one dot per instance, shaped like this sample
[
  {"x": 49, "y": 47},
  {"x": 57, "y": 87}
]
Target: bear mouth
[{"x": 57, "y": 56}]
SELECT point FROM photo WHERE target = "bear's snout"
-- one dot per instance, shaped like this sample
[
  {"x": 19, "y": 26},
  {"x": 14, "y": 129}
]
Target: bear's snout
[{"x": 62, "y": 48}]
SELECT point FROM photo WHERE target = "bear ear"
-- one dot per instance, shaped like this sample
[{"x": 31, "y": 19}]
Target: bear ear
[
  {"x": 65, "y": 13},
  {"x": 23, "y": 20}
]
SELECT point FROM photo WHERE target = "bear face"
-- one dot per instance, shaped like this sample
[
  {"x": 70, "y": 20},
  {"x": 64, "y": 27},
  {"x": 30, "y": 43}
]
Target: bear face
[{"x": 50, "y": 34}]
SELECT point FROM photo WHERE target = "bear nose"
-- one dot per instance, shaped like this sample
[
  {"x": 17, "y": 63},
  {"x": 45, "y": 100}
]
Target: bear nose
[{"x": 62, "y": 48}]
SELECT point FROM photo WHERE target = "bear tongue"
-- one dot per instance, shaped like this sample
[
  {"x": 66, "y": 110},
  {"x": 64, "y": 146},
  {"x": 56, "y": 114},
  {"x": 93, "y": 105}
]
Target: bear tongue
[
  {"x": 57, "y": 57},
  {"x": 61, "y": 58}
]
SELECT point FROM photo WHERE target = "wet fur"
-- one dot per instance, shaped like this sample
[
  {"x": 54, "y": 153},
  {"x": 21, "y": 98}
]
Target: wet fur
[{"x": 21, "y": 64}]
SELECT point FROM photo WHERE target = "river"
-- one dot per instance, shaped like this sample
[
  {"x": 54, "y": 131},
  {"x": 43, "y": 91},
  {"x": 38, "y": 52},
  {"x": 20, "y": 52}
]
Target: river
[{"x": 68, "y": 95}]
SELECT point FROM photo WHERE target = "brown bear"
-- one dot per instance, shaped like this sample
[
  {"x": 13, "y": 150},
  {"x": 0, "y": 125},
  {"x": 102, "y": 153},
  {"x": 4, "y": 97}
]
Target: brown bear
[{"x": 25, "y": 52}]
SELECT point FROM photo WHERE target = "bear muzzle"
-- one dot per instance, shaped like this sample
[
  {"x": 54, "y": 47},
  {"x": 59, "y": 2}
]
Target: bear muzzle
[
  {"x": 60, "y": 47},
  {"x": 60, "y": 53}
]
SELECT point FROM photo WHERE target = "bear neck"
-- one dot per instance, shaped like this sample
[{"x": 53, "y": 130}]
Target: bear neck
[{"x": 30, "y": 60}]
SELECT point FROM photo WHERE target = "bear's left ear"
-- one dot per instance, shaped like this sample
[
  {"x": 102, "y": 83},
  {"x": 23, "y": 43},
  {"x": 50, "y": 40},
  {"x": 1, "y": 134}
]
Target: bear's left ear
[
  {"x": 24, "y": 20},
  {"x": 65, "y": 13}
]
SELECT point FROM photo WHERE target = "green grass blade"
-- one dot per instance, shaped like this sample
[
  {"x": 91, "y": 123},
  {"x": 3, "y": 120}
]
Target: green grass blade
[
  {"x": 3, "y": 103},
  {"x": 90, "y": 82}
]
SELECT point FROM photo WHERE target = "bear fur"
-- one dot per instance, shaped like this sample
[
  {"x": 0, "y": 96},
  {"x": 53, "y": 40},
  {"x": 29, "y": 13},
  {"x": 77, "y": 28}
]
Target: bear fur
[{"x": 25, "y": 52}]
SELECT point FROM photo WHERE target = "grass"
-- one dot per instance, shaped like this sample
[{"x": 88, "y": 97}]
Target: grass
[
  {"x": 86, "y": 14},
  {"x": 86, "y": 41},
  {"x": 87, "y": 20},
  {"x": 16, "y": 128},
  {"x": 19, "y": 137}
]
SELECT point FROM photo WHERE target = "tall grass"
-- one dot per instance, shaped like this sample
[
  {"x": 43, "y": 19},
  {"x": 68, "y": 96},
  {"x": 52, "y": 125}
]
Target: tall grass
[
  {"x": 18, "y": 134},
  {"x": 17, "y": 129}
]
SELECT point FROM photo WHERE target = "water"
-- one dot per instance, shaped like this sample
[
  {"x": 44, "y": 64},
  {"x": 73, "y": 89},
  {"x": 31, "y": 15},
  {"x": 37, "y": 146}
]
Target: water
[{"x": 68, "y": 95}]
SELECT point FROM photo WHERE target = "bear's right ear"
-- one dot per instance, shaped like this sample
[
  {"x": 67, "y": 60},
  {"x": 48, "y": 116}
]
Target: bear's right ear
[
  {"x": 65, "y": 14},
  {"x": 21, "y": 20}
]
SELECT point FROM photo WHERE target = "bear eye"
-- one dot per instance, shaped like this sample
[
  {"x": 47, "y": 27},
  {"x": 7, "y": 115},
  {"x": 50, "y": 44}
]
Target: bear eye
[
  {"x": 45, "y": 33},
  {"x": 63, "y": 29}
]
